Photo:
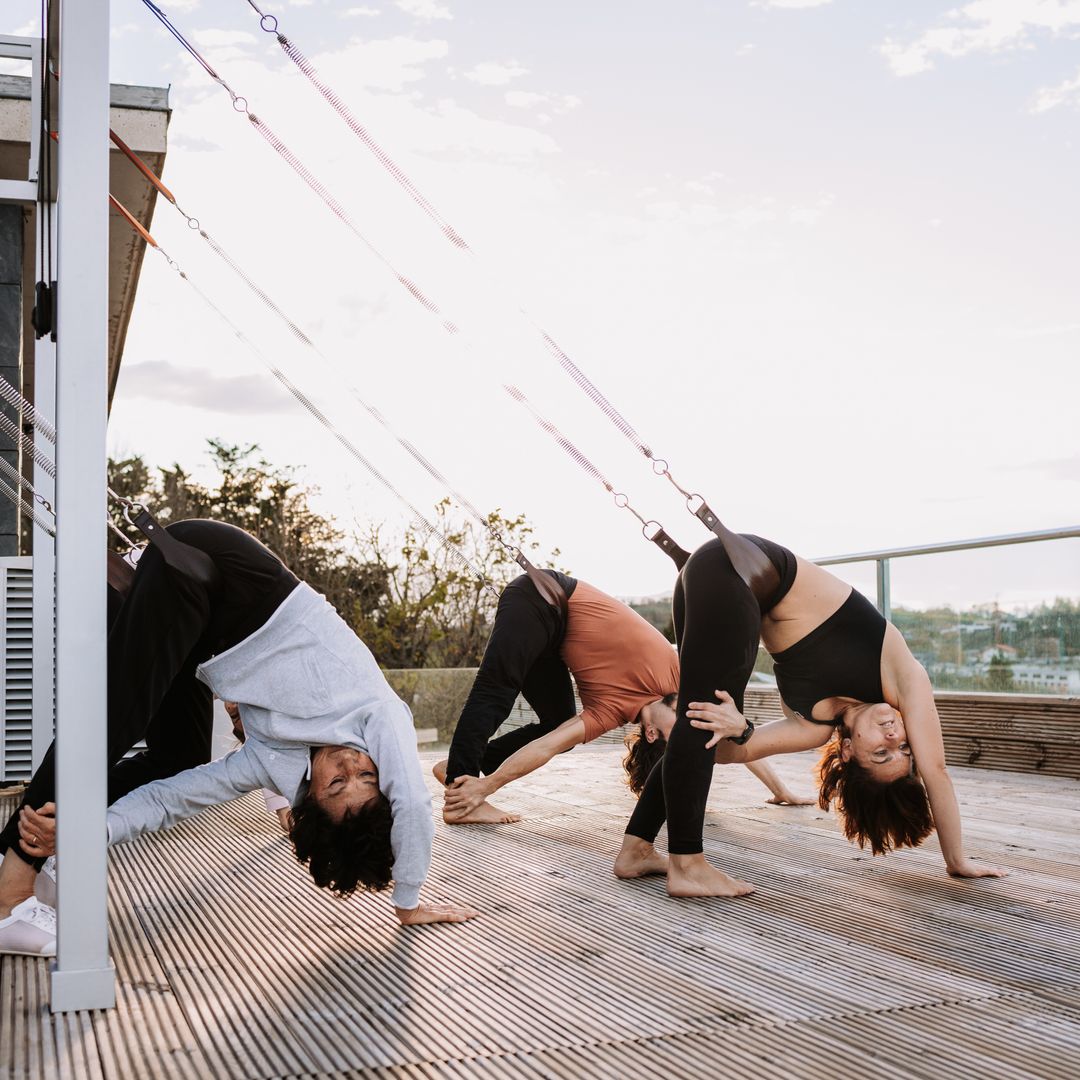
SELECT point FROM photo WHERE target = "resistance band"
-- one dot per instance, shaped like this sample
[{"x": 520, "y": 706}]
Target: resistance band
[{"x": 548, "y": 587}]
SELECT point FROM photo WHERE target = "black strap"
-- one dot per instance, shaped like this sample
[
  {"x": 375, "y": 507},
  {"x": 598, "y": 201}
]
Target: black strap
[
  {"x": 750, "y": 562},
  {"x": 183, "y": 558},
  {"x": 548, "y": 587},
  {"x": 119, "y": 572},
  {"x": 668, "y": 546}
]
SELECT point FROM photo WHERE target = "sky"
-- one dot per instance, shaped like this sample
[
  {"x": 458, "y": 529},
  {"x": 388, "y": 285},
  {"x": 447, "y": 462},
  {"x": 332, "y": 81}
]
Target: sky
[{"x": 819, "y": 253}]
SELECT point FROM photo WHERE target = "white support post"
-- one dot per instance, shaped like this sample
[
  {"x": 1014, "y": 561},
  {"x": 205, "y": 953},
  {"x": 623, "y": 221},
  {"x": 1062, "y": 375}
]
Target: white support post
[
  {"x": 82, "y": 976},
  {"x": 44, "y": 570}
]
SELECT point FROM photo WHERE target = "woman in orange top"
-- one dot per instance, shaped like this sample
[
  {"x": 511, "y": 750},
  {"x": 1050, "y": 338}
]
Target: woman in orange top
[{"x": 625, "y": 670}]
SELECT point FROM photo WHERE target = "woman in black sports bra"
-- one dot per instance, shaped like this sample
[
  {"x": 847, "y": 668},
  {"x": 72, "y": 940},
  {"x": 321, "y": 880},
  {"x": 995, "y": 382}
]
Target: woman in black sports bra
[{"x": 847, "y": 681}]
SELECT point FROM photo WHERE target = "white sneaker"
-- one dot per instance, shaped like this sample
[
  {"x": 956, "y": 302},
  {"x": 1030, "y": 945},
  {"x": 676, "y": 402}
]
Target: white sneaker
[
  {"x": 29, "y": 930},
  {"x": 45, "y": 883}
]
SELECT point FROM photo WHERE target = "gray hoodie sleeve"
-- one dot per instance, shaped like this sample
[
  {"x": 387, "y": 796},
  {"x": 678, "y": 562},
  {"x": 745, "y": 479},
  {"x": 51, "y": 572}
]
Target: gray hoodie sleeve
[
  {"x": 165, "y": 802},
  {"x": 391, "y": 739}
]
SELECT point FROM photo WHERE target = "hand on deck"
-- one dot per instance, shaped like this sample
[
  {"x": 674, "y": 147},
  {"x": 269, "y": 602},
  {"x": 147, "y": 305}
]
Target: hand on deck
[
  {"x": 37, "y": 830},
  {"x": 969, "y": 869},
  {"x": 724, "y": 720},
  {"x": 789, "y": 798},
  {"x": 435, "y": 913}
]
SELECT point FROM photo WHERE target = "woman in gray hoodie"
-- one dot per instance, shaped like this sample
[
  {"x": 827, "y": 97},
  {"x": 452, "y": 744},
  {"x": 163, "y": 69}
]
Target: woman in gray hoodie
[{"x": 323, "y": 728}]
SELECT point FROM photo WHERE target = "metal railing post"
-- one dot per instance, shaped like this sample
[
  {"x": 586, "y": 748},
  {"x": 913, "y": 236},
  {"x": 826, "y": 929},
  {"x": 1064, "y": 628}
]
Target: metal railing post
[
  {"x": 82, "y": 976},
  {"x": 884, "y": 594}
]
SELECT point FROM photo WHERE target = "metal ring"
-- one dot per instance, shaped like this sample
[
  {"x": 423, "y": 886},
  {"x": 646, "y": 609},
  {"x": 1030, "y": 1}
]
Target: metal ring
[
  {"x": 621, "y": 500},
  {"x": 690, "y": 498},
  {"x": 236, "y": 104},
  {"x": 193, "y": 223},
  {"x": 272, "y": 21},
  {"x": 645, "y": 529},
  {"x": 659, "y": 466}
]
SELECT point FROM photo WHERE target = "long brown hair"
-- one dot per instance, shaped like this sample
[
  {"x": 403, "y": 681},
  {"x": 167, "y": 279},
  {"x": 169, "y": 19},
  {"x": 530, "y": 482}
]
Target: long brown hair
[
  {"x": 880, "y": 816},
  {"x": 641, "y": 755}
]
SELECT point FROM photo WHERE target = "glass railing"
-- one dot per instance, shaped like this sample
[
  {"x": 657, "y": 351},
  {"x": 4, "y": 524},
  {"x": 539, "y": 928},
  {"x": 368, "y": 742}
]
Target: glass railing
[{"x": 998, "y": 614}]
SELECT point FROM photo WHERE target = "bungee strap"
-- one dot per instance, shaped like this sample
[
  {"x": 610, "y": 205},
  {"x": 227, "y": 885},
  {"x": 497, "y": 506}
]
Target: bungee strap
[
  {"x": 119, "y": 572},
  {"x": 656, "y": 535},
  {"x": 189, "y": 561},
  {"x": 548, "y": 588},
  {"x": 429, "y": 530}
]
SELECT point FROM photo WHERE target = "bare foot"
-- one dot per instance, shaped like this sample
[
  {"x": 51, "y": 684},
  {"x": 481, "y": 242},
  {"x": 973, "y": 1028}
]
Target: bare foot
[
  {"x": 638, "y": 858},
  {"x": 694, "y": 875},
  {"x": 484, "y": 814},
  {"x": 438, "y": 770}
]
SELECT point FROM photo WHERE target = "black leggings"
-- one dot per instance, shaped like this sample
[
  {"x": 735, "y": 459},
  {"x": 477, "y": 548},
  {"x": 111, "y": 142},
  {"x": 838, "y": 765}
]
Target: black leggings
[
  {"x": 153, "y": 650},
  {"x": 717, "y": 627},
  {"x": 522, "y": 657}
]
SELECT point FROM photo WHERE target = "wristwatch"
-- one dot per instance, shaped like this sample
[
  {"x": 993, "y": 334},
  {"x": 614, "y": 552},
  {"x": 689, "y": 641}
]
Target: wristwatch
[{"x": 738, "y": 740}]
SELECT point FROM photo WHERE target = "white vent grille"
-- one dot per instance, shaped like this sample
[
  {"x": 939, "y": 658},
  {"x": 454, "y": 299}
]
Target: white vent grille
[{"x": 16, "y": 665}]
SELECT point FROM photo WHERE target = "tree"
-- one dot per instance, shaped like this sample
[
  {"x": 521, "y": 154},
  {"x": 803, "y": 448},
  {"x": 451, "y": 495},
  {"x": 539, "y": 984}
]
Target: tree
[
  {"x": 436, "y": 612},
  {"x": 999, "y": 674},
  {"x": 265, "y": 501},
  {"x": 407, "y": 596}
]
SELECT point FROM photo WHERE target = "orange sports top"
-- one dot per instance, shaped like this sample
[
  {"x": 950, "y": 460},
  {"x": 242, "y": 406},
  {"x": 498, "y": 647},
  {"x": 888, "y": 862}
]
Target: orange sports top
[{"x": 619, "y": 661}]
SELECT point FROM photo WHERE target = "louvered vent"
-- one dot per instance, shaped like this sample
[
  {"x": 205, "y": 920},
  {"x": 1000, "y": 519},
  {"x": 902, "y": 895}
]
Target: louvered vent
[{"x": 16, "y": 583}]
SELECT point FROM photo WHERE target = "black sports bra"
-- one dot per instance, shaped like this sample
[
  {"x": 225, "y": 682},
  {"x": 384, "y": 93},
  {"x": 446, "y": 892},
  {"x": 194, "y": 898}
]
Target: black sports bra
[{"x": 839, "y": 658}]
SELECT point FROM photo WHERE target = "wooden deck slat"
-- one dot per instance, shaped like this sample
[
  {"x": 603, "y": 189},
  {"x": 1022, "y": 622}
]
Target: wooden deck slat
[{"x": 231, "y": 965}]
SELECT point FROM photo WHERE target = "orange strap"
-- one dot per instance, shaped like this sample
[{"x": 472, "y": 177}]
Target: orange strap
[
  {"x": 140, "y": 165},
  {"x": 125, "y": 213}
]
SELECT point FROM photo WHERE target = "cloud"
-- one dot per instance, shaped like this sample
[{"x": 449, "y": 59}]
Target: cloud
[
  {"x": 526, "y": 99},
  {"x": 213, "y": 39},
  {"x": 1050, "y": 97},
  {"x": 982, "y": 26},
  {"x": 1058, "y": 469},
  {"x": 200, "y": 388},
  {"x": 360, "y": 12},
  {"x": 1052, "y": 330},
  {"x": 424, "y": 9},
  {"x": 387, "y": 64},
  {"x": 791, "y": 4},
  {"x": 490, "y": 73}
]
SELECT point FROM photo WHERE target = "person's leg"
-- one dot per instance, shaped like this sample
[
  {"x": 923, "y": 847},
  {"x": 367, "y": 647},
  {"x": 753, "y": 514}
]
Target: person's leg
[
  {"x": 152, "y": 635},
  {"x": 550, "y": 692},
  {"x": 177, "y": 738},
  {"x": 638, "y": 856},
  {"x": 525, "y": 629},
  {"x": 717, "y": 649}
]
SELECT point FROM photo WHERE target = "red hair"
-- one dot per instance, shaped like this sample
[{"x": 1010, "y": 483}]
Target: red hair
[{"x": 881, "y": 816}]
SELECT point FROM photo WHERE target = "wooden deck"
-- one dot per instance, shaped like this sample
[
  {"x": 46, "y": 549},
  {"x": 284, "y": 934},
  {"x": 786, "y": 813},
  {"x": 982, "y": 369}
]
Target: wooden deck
[{"x": 230, "y": 964}]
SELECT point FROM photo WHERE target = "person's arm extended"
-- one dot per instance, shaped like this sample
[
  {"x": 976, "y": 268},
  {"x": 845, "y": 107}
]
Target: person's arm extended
[
  {"x": 782, "y": 795},
  {"x": 915, "y": 701},
  {"x": 468, "y": 792},
  {"x": 787, "y": 736},
  {"x": 391, "y": 738},
  {"x": 164, "y": 802}
]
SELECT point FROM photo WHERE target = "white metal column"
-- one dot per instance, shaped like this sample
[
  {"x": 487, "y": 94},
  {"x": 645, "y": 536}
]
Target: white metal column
[
  {"x": 82, "y": 975},
  {"x": 44, "y": 709}
]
